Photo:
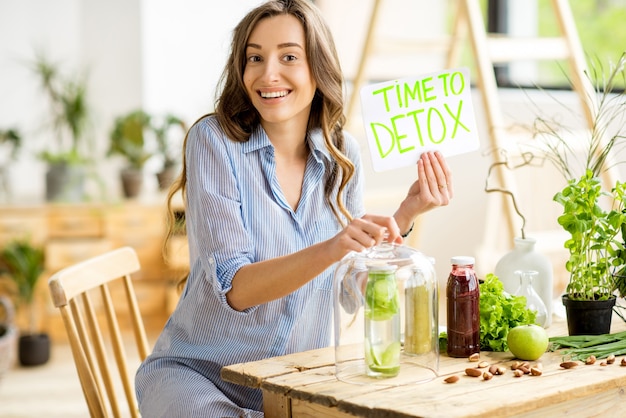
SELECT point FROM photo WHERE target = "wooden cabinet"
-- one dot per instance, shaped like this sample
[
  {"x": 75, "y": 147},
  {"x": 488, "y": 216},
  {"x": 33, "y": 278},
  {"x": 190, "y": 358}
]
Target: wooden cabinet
[
  {"x": 143, "y": 228},
  {"x": 72, "y": 221},
  {"x": 22, "y": 222},
  {"x": 71, "y": 233}
]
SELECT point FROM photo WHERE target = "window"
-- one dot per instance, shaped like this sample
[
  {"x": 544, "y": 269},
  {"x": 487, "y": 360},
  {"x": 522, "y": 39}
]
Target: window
[{"x": 600, "y": 28}]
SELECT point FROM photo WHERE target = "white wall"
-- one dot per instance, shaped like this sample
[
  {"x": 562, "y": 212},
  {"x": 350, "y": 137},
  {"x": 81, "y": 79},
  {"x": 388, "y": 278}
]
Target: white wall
[{"x": 161, "y": 55}]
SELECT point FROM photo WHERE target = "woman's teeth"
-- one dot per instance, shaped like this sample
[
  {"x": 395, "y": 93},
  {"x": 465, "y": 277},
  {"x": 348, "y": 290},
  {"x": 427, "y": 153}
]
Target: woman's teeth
[{"x": 273, "y": 94}]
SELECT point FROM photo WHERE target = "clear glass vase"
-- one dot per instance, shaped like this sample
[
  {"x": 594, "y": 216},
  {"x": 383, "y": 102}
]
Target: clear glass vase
[
  {"x": 525, "y": 256},
  {"x": 533, "y": 300}
]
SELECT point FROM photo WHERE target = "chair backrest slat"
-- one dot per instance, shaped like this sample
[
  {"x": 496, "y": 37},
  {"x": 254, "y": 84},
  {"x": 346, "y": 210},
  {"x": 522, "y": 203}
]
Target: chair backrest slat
[
  {"x": 94, "y": 331},
  {"x": 84, "y": 336},
  {"x": 97, "y": 340},
  {"x": 137, "y": 322},
  {"x": 117, "y": 346}
]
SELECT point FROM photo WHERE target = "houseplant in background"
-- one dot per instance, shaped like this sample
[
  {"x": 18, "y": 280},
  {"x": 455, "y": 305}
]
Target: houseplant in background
[
  {"x": 167, "y": 149},
  {"x": 128, "y": 139},
  {"x": 70, "y": 117},
  {"x": 592, "y": 215},
  {"x": 23, "y": 263},
  {"x": 8, "y": 333},
  {"x": 10, "y": 144}
]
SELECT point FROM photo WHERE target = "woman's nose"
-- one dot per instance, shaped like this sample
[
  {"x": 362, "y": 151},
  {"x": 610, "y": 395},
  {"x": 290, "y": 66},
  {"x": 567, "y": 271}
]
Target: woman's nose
[{"x": 271, "y": 71}]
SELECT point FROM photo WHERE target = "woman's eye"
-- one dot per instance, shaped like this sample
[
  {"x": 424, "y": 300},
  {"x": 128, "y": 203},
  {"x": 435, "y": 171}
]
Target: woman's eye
[
  {"x": 254, "y": 58},
  {"x": 289, "y": 57}
]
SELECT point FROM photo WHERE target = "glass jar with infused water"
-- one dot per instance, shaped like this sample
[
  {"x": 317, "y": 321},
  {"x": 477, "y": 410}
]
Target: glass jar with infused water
[
  {"x": 385, "y": 316},
  {"x": 382, "y": 322}
]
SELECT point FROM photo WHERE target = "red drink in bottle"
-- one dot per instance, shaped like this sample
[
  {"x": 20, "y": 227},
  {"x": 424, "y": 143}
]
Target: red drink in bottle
[{"x": 462, "y": 308}]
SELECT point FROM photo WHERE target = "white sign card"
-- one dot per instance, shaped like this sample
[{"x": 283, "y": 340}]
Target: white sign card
[{"x": 406, "y": 117}]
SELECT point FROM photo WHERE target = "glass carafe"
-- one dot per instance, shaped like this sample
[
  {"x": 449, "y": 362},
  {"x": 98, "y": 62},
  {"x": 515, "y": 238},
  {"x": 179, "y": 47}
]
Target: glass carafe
[
  {"x": 382, "y": 322},
  {"x": 533, "y": 300},
  {"x": 386, "y": 316}
]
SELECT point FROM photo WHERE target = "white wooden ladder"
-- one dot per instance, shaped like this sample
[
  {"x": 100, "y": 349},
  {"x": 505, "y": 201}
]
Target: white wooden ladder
[{"x": 487, "y": 50}]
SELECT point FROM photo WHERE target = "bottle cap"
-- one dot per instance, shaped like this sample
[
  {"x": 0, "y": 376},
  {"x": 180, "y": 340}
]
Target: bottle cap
[
  {"x": 462, "y": 260},
  {"x": 383, "y": 268}
]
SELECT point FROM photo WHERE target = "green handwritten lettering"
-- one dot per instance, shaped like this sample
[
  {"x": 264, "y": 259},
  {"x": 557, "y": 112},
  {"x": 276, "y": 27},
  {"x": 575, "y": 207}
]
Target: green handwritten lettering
[
  {"x": 457, "y": 75},
  {"x": 414, "y": 113},
  {"x": 398, "y": 136},
  {"x": 413, "y": 93},
  {"x": 427, "y": 88},
  {"x": 444, "y": 83},
  {"x": 381, "y": 151},
  {"x": 384, "y": 92},
  {"x": 399, "y": 95},
  {"x": 457, "y": 118},
  {"x": 431, "y": 111}
]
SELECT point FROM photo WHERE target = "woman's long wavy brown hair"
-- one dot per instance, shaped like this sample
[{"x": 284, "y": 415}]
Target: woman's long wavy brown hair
[{"x": 238, "y": 117}]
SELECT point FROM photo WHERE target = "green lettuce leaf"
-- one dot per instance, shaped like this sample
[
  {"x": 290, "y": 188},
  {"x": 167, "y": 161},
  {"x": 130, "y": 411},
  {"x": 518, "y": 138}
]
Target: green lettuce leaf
[{"x": 499, "y": 312}]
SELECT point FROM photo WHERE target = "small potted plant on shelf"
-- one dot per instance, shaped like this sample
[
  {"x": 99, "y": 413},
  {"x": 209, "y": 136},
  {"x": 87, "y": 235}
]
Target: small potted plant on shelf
[
  {"x": 128, "y": 139},
  {"x": 593, "y": 216},
  {"x": 11, "y": 138},
  {"x": 23, "y": 263},
  {"x": 70, "y": 117},
  {"x": 10, "y": 144},
  {"x": 166, "y": 148}
]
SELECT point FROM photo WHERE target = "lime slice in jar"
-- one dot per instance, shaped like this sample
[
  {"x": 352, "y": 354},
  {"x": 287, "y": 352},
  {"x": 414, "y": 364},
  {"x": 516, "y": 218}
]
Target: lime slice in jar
[
  {"x": 385, "y": 362},
  {"x": 391, "y": 355}
]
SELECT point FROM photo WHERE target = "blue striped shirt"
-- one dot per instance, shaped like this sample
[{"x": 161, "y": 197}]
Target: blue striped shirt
[{"x": 236, "y": 214}]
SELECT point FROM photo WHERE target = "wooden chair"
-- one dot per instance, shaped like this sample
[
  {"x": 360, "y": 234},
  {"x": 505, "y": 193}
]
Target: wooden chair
[{"x": 71, "y": 293}]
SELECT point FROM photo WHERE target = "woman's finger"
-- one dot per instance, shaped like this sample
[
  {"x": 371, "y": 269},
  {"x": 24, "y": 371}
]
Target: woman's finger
[{"x": 446, "y": 173}]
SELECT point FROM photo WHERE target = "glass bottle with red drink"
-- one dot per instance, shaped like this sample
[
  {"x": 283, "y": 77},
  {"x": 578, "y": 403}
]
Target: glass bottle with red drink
[{"x": 463, "y": 321}]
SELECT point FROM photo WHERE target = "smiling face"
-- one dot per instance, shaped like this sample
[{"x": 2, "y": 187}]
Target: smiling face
[{"x": 277, "y": 76}]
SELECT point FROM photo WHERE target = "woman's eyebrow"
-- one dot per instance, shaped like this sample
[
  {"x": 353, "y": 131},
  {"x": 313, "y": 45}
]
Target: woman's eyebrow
[
  {"x": 289, "y": 45},
  {"x": 283, "y": 45}
]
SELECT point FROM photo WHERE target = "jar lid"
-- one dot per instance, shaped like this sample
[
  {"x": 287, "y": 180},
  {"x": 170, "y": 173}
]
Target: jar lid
[
  {"x": 383, "y": 268},
  {"x": 462, "y": 260}
]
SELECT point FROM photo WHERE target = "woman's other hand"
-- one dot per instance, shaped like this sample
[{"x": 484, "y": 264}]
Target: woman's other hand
[
  {"x": 365, "y": 232},
  {"x": 433, "y": 188}
]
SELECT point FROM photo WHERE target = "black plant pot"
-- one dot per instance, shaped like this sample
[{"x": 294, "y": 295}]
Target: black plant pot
[
  {"x": 34, "y": 349},
  {"x": 132, "y": 182},
  {"x": 166, "y": 177},
  {"x": 65, "y": 183},
  {"x": 588, "y": 317}
]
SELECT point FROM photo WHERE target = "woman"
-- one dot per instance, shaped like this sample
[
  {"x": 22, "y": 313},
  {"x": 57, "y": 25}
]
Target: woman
[{"x": 273, "y": 195}]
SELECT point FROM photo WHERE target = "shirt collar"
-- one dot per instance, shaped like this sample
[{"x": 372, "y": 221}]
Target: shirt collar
[{"x": 259, "y": 139}]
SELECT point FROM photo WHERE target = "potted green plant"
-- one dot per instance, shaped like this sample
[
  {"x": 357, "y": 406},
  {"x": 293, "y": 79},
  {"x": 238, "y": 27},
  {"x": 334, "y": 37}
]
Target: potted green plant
[
  {"x": 166, "y": 149},
  {"x": 70, "y": 119},
  {"x": 128, "y": 139},
  {"x": 595, "y": 252},
  {"x": 13, "y": 139},
  {"x": 8, "y": 333},
  {"x": 11, "y": 142},
  {"x": 23, "y": 263},
  {"x": 593, "y": 215}
]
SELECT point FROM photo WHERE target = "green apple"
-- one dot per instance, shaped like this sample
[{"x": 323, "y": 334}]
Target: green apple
[{"x": 527, "y": 342}]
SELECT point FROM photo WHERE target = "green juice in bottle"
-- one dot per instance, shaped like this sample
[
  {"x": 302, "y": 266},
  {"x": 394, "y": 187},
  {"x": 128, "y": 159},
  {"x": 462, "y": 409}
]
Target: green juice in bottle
[
  {"x": 417, "y": 334},
  {"x": 382, "y": 322}
]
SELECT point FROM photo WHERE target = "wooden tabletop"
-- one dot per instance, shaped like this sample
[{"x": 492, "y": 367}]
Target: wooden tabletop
[{"x": 304, "y": 385}]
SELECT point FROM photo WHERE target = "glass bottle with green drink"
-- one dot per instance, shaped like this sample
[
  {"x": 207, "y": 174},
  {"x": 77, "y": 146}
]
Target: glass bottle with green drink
[
  {"x": 382, "y": 322},
  {"x": 420, "y": 324}
]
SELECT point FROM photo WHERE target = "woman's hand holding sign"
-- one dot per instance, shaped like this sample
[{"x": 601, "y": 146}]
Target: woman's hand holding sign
[{"x": 433, "y": 188}]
